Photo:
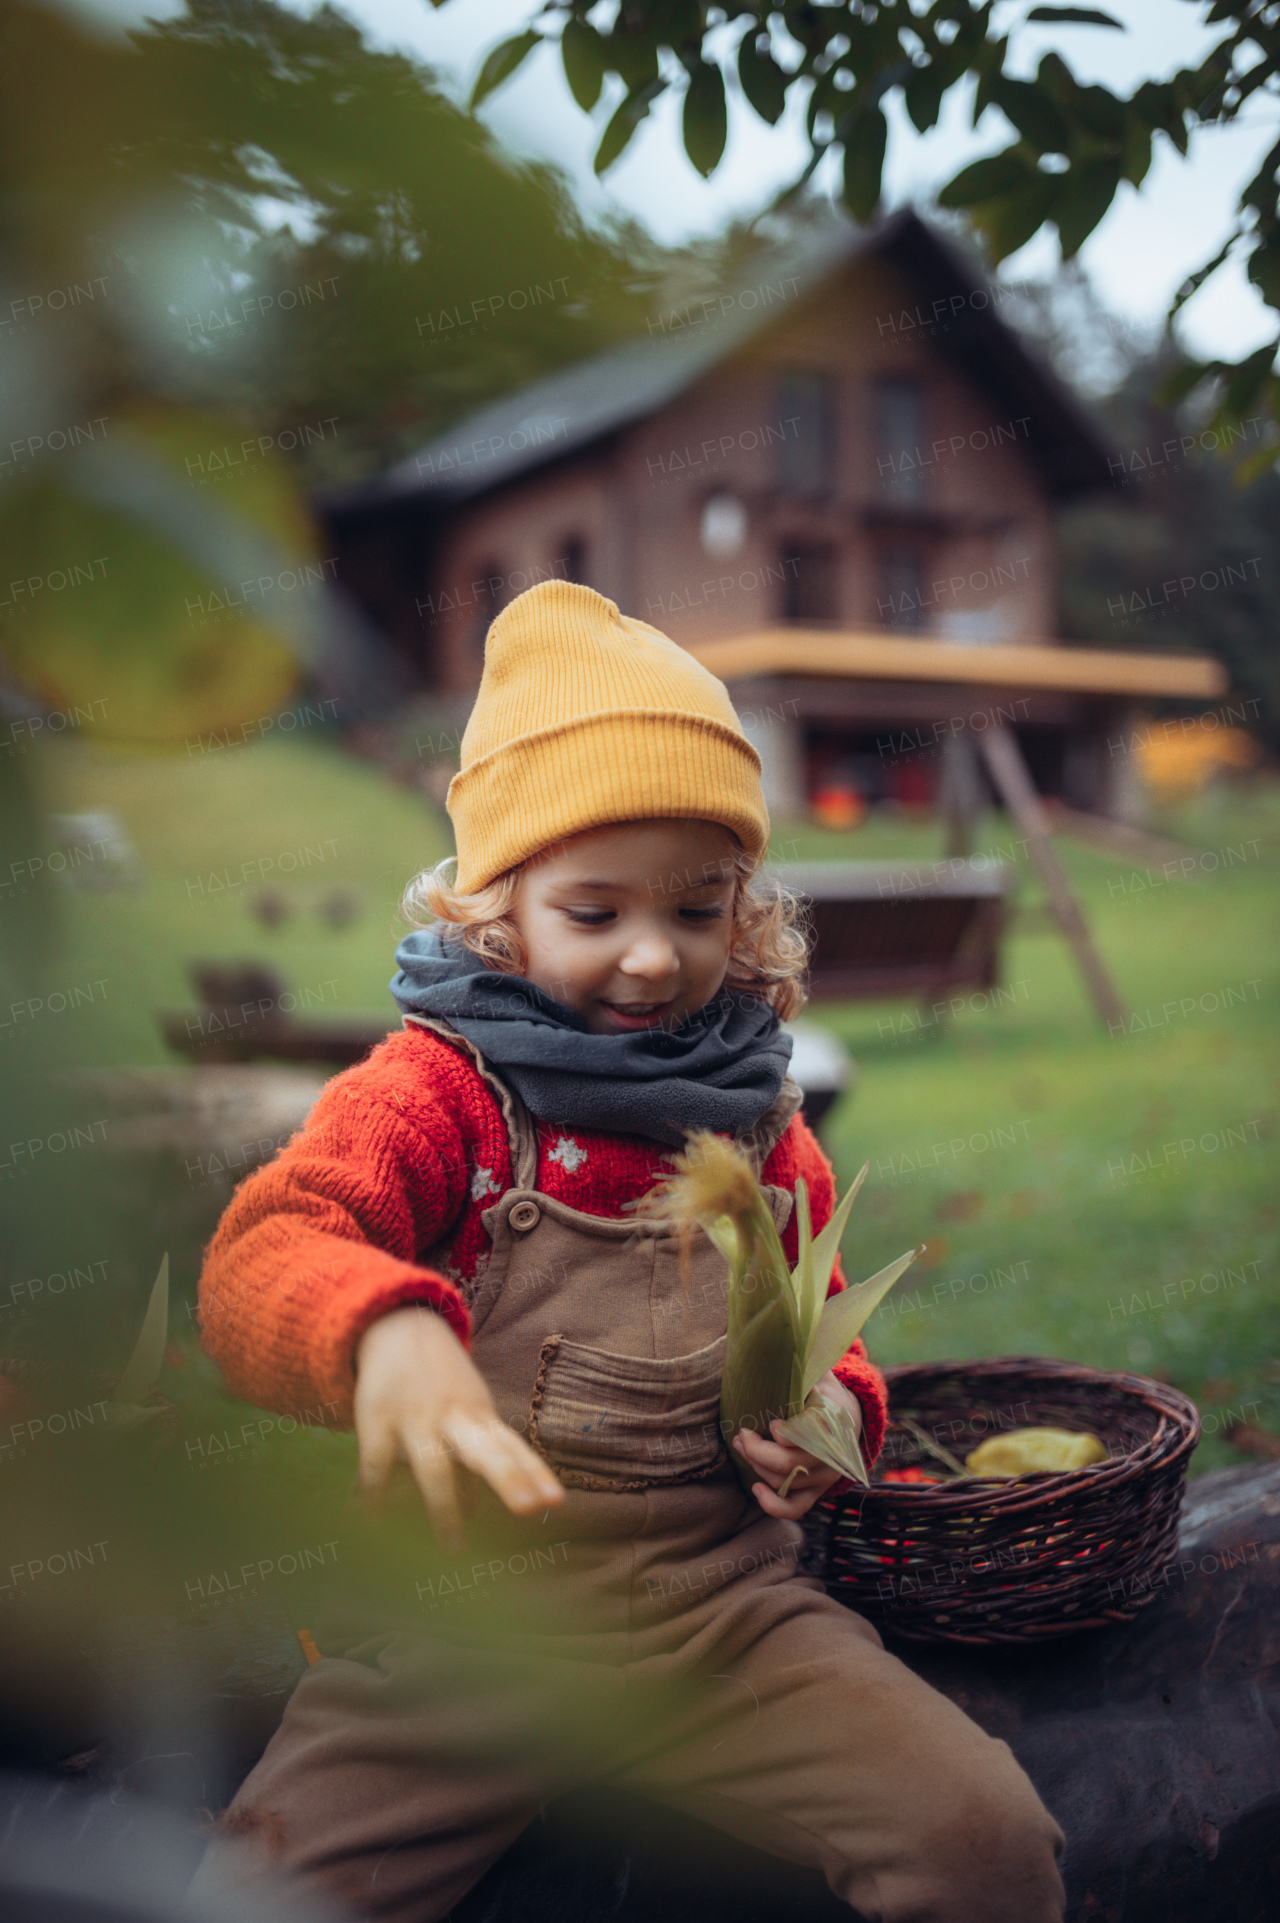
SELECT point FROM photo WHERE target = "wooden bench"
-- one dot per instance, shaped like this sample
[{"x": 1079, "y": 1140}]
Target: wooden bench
[
  {"x": 247, "y": 1014},
  {"x": 887, "y": 931}
]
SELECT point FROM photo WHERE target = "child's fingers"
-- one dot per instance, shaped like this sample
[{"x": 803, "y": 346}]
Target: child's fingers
[
  {"x": 376, "y": 1445},
  {"x": 437, "y": 1485},
  {"x": 795, "y": 1454},
  {"x": 492, "y": 1450},
  {"x": 787, "y": 1508},
  {"x": 773, "y": 1459}
]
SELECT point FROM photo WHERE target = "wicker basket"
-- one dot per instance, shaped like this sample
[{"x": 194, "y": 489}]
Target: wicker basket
[{"x": 1021, "y": 1558}]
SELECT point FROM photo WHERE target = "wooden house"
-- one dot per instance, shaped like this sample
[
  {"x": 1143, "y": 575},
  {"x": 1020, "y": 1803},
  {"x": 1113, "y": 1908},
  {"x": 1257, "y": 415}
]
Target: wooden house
[{"x": 837, "y": 485}]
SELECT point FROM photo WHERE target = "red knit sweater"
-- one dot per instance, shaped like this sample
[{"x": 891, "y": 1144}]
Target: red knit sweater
[{"x": 399, "y": 1154}]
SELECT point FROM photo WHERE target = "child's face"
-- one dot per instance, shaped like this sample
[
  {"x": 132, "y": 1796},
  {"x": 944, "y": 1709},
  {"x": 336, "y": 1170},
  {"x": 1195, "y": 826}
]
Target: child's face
[{"x": 631, "y": 926}]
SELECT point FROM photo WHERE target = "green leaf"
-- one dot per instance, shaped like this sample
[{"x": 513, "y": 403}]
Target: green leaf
[
  {"x": 1261, "y": 462},
  {"x": 923, "y": 93},
  {"x": 804, "y": 1281},
  {"x": 1194, "y": 282},
  {"x": 634, "y": 53},
  {"x": 1157, "y": 103},
  {"x": 756, "y": 1386},
  {"x": 1074, "y": 17},
  {"x": 1264, "y": 270},
  {"x": 1057, "y": 79},
  {"x": 843, "y": 1315},
  {"x": 625, "y": 120},
  {"x": 759, "y": 1271},
  {"x": 142, "y": 1370},
  {"x": 825, "y": 99},
  {"x": 723, "y": 1232},
  {"x": 763, "y": 81},
  {"x": 1246, "y": 380},
  {"x": 827, "y": 1244},
  {"x": 1260, "y": 193},
  {"x": 864, "y": 146},
  {"x": 932, "y": 1446},
  {"x": 1084, "y": 196},
  {"x": 1098, "y": 109},
  {"x": 585, "y": 62},
  {"x": 1032, "y": 111},
  {"x": 501, "y": 62},
  {"x": 1137, "y": 149},
  {"x": 990, "y": 63},
  {"x": 1009, "y": 222},
  {"x": 986, "y": 179},
  {"x": 1184, "y": 380},
  {"x": 705, "y": 121}
]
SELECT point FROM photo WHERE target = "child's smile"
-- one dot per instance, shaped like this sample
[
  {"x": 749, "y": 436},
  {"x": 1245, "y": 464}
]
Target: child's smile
[
  {"x": 636, "y": 1014},
  {"x": 631, "y": 925}
]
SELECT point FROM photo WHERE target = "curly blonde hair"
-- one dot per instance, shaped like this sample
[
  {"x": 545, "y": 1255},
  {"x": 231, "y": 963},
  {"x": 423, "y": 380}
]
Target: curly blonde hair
[{"x": 767, "y": 958}]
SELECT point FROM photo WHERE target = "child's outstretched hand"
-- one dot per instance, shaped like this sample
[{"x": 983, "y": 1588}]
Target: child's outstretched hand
[
  {"x": 421, "y": 1400},
  {"x": 774, "y": 1461}
]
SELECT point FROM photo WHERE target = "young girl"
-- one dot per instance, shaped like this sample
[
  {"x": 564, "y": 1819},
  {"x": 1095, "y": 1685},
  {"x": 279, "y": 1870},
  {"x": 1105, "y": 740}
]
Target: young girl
[{"x": 447, "y": 1252}]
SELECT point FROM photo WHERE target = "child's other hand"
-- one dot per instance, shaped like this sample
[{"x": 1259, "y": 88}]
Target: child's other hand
[
  {"x": 774, "y": 1461},
  {"x": 421, "y": 1400}
]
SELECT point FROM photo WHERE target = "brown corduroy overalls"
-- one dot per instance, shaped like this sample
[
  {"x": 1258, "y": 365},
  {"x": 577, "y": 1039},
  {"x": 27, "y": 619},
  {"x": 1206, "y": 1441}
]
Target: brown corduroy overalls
[{"x": 653, "y": 1631}]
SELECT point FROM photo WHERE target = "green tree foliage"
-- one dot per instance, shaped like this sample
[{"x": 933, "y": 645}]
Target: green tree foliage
[
  {"x": 1178, "y": 556},
  {"x": 285, "y": 224},
  {"x": 1073, "y": 144},
  {"x": 1182, "y": 559},
  {"x": 232, "y": 236}
]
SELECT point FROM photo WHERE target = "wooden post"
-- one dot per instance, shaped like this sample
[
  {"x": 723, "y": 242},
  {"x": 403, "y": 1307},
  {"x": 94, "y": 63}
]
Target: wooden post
[
  {"x": 1016, "y": 789},
  {"x": 960, "y": 794}
]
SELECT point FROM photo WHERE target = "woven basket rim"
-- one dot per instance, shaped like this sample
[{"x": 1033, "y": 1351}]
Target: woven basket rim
[{"x": 1176, "y": 1433}]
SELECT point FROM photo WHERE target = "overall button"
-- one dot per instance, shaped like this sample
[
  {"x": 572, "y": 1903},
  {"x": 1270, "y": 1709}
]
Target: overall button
[{"x": 525, "y": 1215}]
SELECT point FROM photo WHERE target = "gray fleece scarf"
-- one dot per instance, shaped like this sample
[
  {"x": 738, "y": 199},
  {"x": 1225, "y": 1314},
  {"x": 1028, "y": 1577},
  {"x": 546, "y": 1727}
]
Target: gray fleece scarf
[{"x": 721, "y": 1069}]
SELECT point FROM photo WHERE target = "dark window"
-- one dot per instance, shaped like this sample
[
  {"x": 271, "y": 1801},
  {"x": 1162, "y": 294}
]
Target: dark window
[
  {"x": 902, "y": 595},
  {"x": 899, "y": 437},
  {"x": 807, "y": 433},
  {"x": 809, "y": 585}
]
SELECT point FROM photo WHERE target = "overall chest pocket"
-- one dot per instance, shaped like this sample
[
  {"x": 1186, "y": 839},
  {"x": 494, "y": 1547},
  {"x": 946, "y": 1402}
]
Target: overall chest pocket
[{"x": 607, "y": 1421}]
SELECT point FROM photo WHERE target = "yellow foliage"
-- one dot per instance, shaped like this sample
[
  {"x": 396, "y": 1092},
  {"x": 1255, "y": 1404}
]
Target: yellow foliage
[
  {"x": 122, "y": 619},
  {"x": 1184, "y": 764}
]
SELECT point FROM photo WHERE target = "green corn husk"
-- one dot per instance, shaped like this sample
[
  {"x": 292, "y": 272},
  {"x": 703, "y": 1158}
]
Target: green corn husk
[{"x": 783, "y": 1331}]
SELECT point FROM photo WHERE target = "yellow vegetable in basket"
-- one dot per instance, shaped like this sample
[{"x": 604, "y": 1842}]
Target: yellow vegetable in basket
[{"x": 1031, "y": 1452}]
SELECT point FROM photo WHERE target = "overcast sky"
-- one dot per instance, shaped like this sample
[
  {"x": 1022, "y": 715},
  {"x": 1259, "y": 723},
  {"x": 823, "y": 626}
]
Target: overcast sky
[{"x": 1148, "y": 243}]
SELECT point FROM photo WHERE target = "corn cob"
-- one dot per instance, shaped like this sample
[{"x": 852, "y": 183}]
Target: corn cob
[{"x": 784, "y": 1333}]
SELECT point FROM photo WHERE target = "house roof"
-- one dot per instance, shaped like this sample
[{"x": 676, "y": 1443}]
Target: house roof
[
  {"x": 540, "y": 423},
  {"x": 884, "y": 657}
]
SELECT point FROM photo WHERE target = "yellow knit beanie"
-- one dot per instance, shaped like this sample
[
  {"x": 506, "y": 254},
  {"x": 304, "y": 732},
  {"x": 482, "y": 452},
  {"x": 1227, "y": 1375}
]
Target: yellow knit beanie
[{"x": 586, "y": 717}]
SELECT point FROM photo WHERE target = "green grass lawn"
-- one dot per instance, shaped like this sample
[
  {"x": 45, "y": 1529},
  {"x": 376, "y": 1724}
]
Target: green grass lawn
[
  {"x": 1109, "y": 1199},
  {"x": 298, "y": 819}
]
